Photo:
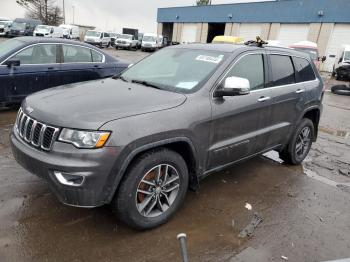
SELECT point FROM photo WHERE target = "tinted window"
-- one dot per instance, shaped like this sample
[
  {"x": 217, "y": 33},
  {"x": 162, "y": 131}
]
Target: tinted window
[
  {"x": 250, "y": 67},
  {"x": 106, "y": 35},
  {"x": 304, "y": 70},
  {"x": 96, "y": 57},
  {"x": 38, "y": 54},
  {"x": 282, "y": 70},
  {"x": 76, "y": 54}
]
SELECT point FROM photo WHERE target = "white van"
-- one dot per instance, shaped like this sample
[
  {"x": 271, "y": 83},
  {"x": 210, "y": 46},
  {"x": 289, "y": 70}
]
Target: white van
[
  {"x": 341, "y": 66},
  {"x": 151, "y": 42},
  {"x": 97, "y": 38},
  {"x": 48, "y": 31},
  {"x": 70, "y": 31},
  {"x": 5, "y": 27}
]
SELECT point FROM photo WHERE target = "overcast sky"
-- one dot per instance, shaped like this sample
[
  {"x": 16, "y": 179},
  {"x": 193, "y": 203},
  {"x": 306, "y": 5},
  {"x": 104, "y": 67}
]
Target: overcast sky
[{"x": 111, "y": 15}]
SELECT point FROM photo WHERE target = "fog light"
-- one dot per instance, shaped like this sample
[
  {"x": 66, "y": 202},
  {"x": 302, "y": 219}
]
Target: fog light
[{"x": 69, "y": 179}]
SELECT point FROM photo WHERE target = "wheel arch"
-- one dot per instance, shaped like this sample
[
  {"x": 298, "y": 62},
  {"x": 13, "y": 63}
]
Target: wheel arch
[
  {"x": 314, "y": 115},
  {"x": 181, "y": 145}
]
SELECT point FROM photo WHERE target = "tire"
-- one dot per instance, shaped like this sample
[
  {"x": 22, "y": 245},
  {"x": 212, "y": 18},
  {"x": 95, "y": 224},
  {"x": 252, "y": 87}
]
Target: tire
[
  {"x": 291, "y": 154},
  {"x": 127, "y": 202},
  {"x": 341, "y": 90}
]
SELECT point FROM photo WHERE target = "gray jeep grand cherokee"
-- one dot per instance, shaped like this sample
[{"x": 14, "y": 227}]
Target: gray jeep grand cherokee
[{"x": 140, "y": 140}]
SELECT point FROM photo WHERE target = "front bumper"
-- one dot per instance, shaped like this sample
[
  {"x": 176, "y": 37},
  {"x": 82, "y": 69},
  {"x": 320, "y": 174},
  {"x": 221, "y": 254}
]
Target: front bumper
[
  {"x": 149, "y": 48},
  {"x": 127, "y": 45},
  {"x": 93, "y": 43},
  {"x": 94, "y": 164}
]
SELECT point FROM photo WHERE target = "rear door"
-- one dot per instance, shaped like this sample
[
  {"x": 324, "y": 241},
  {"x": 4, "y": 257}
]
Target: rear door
[
  {"x": 239, "y": 122},
  {"x": 287, "y": 96}
]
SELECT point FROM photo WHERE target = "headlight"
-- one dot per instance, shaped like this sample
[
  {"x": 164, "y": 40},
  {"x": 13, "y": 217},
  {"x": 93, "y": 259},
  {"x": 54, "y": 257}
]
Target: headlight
[{"x": 84, "y": 139}]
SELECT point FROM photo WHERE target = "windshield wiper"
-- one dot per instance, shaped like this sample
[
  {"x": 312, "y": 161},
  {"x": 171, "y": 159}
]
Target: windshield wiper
[
  {"x": 145, "y": 83},
  {"x": 119, "y": 77}
]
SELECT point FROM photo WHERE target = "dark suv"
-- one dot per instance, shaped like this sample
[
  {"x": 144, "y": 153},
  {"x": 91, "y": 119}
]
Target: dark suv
[{"x": 140, "y": 140}]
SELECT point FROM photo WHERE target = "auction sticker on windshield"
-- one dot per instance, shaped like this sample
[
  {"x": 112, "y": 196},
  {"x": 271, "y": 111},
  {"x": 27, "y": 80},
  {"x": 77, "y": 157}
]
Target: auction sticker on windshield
[
  {"x": 210, "y": 59},
  {"x": 187, "y": 85}
]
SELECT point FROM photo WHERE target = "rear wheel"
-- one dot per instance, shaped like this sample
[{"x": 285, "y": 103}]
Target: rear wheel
[
  {"x": 300, "y": 143},
  {"x": 153, "y": 189}
]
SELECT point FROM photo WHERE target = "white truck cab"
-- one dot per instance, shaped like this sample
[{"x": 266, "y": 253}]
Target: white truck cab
[
  {"x": 151, "y": 42},
  {"x": 126, "y": 41},
  {"x": 70, "y": 31},
  {"x": 48, "y": 31},
  {"x": 5, "y": 27},
  {"x": 341, "y": 67},
  {"x": 98, "y": 38}
]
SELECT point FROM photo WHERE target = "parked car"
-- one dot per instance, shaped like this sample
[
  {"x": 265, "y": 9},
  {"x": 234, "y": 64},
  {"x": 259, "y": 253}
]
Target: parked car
[
  {"x": 48, "y": 31},
  {"x": 139, "y": 40},
  {"x": 97, "y": 38},
  {"x": 311, "y": 49},
  {"x": 30, "y": 64},
  {"x": 23, "y": 27},
  {"x": 152, "y": 42},
  {"x": 114, "y": 37},
  {"x": 5, "y": 27},
  {"x": 70, "y": 32},
  {"x": 341, "y": 68},
  {"x": 140, "y": 140},
  {"x": 126, "y": 41}
]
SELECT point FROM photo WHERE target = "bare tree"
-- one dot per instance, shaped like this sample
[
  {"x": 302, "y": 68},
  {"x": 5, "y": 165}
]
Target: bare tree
[
  {"x": 45, "y": 10},
  {"x": 203, "y": 2}
]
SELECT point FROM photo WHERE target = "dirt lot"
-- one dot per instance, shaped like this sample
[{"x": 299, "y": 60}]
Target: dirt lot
[{"x": 305, "y": 209}]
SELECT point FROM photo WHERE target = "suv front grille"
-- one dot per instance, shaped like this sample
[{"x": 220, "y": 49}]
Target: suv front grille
[{"x": 35, "y": 133}]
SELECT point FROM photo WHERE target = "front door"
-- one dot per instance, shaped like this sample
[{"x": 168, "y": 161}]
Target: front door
[
  {"x": 37, "y": 66},
  {"x": 239, "y": 122}
]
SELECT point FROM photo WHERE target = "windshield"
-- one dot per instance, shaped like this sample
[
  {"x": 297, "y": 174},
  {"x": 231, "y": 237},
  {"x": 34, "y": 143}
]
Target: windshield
[
  {"x": 4, "y": 23},
  {"x": 312, "y": 52},
  {"x": 149, "y": 38},
  {"x": 9, "y": 45},
  {"x": 347, "y": 56},
  {"x": 93, "y": 33},
  {"x": 43, "y": 27},
  {"x": 175, "y": 69},
  {"x": 126, "y": 36},
  {"x": 18, "y": 26}
]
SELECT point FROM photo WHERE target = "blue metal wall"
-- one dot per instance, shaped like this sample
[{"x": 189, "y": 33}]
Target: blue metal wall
[{"x": 287, "y": 11}]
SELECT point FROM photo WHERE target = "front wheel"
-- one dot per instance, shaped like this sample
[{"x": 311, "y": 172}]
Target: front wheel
[
  {"x": 300, "y": 143},
  {"x": 153, "y": 189}
]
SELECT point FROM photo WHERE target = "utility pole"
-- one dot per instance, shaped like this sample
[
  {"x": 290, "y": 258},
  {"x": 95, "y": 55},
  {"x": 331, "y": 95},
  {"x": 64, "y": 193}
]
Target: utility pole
[
  {"x": 64, "y": 14},
  {"x": 73, "y": 13}
]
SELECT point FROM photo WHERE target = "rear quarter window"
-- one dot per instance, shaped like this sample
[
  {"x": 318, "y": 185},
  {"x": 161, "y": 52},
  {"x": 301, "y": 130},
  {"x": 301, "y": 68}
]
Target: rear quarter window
[
  {"x": 282, "y": 70},
  {"x": 304, "y": 70}
]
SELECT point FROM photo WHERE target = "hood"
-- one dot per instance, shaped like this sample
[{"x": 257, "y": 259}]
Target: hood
[
  {"x": 125, "y": 39},
  {"x": 91, "y": 104}
]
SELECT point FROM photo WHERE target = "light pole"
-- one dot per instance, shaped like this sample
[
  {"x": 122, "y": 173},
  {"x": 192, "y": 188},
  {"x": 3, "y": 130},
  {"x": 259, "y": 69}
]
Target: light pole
[
  {"x": 73, "y": 13},
  {"x": 64, "y": 14}
]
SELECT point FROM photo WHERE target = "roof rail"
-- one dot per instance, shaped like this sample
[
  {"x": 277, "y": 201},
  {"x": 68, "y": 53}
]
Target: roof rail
[{"x": 258, "y": 42}]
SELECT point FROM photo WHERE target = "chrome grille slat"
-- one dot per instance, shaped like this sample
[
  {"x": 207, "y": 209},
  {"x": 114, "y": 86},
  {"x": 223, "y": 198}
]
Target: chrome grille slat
[{"x": 35, "y": 133}]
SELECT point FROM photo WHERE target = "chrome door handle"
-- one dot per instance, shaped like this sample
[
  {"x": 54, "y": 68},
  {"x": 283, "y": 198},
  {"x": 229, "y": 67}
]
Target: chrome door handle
[
  {"x": 264, "y": 98},
  {"x": 300, "y": 91}
]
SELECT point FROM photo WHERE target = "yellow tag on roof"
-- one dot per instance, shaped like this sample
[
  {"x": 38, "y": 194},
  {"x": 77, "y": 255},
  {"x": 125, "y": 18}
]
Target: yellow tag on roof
[{"x": 226, "y": 39}]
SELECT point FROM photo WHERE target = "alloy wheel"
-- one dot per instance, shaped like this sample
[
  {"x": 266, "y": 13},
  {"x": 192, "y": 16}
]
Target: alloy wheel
[
  {"x": 303, "y": 142},
  {"x": 157, "y": 190}
]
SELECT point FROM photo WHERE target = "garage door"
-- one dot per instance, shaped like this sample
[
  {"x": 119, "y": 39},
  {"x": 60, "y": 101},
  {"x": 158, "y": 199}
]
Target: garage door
[
  {"x": 339, "y": 37},
  {"x": 249, "y": 31},
  {"x": 292, "y": 33},
  {"x": 189, "y": 32}
]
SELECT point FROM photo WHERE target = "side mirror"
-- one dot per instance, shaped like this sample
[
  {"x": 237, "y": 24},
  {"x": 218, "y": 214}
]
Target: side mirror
[
  {"x": 13, "y": 62},
  {"x": 323, "y": 58},
  {"x": 340, "y": 60},
  {"x": 234, "y": 86}
]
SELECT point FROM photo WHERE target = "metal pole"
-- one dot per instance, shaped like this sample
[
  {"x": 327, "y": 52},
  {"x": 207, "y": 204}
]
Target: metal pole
[
  {"x": 182, "y": 239},
  {"x": 64, "y": 14},
  {"x": 73, "y": 13}
]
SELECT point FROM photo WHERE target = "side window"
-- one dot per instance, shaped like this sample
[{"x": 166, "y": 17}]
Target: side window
[
  {"x": 96, "y": 57},
  {"x": 106, "y": 35},
  {"x": 250, "y": 67},
  {"x": 76, "y": 54},
  {"x": 304, "y": 69},
  {"x": 38, "y": 54},
  {"x": 282, "y": 70}
]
